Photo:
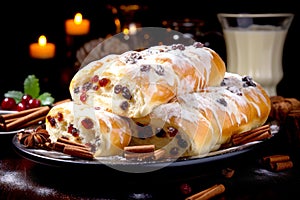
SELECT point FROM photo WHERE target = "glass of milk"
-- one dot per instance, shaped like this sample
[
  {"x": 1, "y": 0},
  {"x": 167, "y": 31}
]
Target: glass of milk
[{"x": 254, "y": 45}]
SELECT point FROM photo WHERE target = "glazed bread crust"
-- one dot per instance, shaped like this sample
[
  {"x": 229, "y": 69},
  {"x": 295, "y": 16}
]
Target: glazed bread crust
[
  {"x": 202, "y": 121},
  {"x": 106, "y": 133},
  {"x": 134, "y": 83}
]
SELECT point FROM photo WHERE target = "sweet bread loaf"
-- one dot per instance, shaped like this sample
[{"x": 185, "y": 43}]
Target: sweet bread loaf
[
  {"x": 133, "y": 83},
  {"x": 106, "y": 133},
  {"x": 197, "y": 123}
]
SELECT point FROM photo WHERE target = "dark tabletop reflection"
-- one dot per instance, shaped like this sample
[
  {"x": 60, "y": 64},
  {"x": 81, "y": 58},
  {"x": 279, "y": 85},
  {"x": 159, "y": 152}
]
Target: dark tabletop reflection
[{"x": 21, "y": 178}]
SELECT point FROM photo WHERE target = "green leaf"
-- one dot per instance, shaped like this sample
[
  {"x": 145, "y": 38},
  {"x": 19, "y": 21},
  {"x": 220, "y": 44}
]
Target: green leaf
[
  {"x": 32, "y": 86},
  {"x": 17, "y": 95},
  {"x": 46, "y": 99}
]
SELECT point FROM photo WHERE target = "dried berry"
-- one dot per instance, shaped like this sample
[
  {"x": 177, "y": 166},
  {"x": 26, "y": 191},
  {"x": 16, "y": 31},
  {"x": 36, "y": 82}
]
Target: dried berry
[{"x": 87, "y": 123}]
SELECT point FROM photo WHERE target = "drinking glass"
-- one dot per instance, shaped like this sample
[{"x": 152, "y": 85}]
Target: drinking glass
[{"x": 254, "y": 45}]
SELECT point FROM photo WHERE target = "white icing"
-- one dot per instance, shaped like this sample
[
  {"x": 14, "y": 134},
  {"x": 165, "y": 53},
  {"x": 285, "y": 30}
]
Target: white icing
[{"x": 184, "y": 71}]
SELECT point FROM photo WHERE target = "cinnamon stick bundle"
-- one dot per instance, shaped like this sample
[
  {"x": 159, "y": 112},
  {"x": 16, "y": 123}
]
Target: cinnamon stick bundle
[
  {"x": 23, "y": 118},
  {"x": 256, "y": 134},
  {"x": 278, "y": 162},
  {"x": 73, "y": 149}
]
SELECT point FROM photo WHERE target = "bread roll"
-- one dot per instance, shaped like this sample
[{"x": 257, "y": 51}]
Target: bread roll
[
  {"x": 135, "y": 82},
  {"x": 197, "y": 123},
  {"x": 106, "y": 133}
]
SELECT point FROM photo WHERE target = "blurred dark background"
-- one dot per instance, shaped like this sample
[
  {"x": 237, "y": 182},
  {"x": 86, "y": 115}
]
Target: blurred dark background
[{"x": 24, "y": 21}]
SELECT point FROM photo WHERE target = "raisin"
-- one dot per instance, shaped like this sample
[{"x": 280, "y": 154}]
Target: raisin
[
  {"x": 70, "y": 128},
  {"x": 235, "y": 90},
  {"x": 159, "y": 70},
  {"x": 75, "y": 132},
  {"x": 178, "y": 46},
  {"x": 76, "y": 90},
  {"x": 60, "y": 116},
  {"x": 198, "y": 45},
  {"x": 118, "y": 89},
  {"x": 83, "y": 97},
  {"x": 174, "y": 151},
  {"x": 124, "y": 105},
  {"x": 172, "y": 131},
  {"x": 133, "y": 57},
  {"x": 87, "y": 123},
  {"x": 51, "y": 120},
  {"x": 145, "y": 68},
  {"x": 86, "y": 86},
  {"x": 222, "y": 101},
  {"x": 224, "y": 82},
  {"x": 161, "y": 133},
  {"x": 95, "y": 78},
  {"x": 95, "y": 87},
  {"x": 248, "y": 81},
  {"x": 126, "y": 93},
  {"x": 182, "y": 143}
]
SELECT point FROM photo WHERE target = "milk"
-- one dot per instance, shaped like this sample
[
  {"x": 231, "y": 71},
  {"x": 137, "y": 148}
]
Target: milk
[{"x": 257, "y": 52}]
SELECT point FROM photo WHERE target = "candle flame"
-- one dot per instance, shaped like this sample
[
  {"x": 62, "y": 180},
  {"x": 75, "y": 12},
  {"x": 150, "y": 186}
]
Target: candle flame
[
  {"x": 126, "y": 31},
  {"x": 78, "y": 18},
  {"x": 42, "y": 40}
]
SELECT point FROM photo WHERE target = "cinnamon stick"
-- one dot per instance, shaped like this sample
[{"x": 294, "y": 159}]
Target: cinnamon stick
[
  {"x": 72, "y": 148},
  {"x": 140, "y": 148},
  {"x": 77, "y": 152},
  {"x": 19, "y": 114},
  {"x": 259, "y": 133},
  {"x": 279, "y": 166},
  {"x": 278, "y": 162},
  {"x": 60, "y": 146},
  {"x": 33, "y": 122},
  {"x": 24, "y": 119},
  {"x": 139, "y": 156},
  {"x": 208, "y": 193},
  {"x": 276, "y": 158}
]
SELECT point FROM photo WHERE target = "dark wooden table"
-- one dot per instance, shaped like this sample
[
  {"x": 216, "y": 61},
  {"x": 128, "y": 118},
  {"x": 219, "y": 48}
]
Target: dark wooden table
[{"x": 22, "y": 178}]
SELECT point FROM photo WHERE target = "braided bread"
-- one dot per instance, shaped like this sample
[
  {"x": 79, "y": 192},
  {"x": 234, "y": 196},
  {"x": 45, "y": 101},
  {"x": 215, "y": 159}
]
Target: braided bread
[
  {"x": 133, "y": 83},
  {"x": 106, "y": 133},
  {"x": 179, "y": 98},
  {"x": 197, "y": 123}
]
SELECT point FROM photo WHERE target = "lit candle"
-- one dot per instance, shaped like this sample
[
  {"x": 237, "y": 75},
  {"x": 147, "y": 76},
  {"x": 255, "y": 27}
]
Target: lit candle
[
  {"x": 42, "y": 49},
  {"x": 77, "y": 26}
]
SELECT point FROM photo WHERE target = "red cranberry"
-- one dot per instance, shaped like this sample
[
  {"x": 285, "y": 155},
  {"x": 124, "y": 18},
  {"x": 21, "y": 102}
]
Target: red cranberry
[
  {"x": 25, "y": 99},
  {"x": 21, "y": 106},
  {"x": 34, "y": 103},
  {"x": 8, "y": 103},
  {"x": 185, "y": 188}
]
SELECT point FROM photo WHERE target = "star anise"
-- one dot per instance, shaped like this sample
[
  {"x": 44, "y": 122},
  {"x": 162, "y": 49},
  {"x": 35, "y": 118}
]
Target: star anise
[{"x": 34, "y": 138}]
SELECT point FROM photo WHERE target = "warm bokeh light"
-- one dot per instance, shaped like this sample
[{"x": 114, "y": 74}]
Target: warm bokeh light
[
  {"x": 42, "y": 40},
  {"x": 118, "y": 25},
  {"x": 78, "y": 18},
  {"x": 77, "y": 26},
  {"x": 126, "y": 31},
  {"x": 42, "y": 49}
]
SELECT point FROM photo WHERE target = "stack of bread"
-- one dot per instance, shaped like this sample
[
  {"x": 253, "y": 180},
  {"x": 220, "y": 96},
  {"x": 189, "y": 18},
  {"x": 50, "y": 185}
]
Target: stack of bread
[{"x": 176, "y": 97}]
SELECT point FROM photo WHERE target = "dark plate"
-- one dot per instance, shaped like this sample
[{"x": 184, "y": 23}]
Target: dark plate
[{"x": 119, "y": 163}]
